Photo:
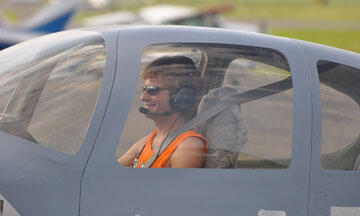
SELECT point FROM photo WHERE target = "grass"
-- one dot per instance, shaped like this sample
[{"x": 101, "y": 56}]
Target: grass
[
  {"x": 336, "y": 23},
  {"x": 297, "y": 12},
  {"x": 335, "y": 10},
  {"x": 345, "y": 39},
  {"x": 11, "y": 16}
]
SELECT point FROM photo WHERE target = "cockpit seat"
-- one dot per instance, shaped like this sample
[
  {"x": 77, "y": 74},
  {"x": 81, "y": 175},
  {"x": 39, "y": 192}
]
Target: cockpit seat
[
  {"x": 357, "y": 163},
  {"x": 226, "y": 132}
]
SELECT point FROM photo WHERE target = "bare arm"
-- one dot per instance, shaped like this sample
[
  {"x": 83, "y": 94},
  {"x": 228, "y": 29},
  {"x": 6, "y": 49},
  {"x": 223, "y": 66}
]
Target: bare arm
[
  {"x": 189, "y": 154},
  {"x": 128, "y": 158}
]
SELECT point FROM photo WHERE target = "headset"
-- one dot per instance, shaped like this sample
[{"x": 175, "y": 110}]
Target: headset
[{"x": 183, "y": 98}]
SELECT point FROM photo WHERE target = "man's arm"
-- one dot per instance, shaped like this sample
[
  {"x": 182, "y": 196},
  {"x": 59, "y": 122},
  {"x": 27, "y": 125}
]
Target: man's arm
[
  {"x": 189, "y": 154},
  {"x": 128, "y": 158}
]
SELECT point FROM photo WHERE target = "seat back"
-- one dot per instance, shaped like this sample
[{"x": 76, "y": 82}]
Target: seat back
[{"x": 226, "y": 132}]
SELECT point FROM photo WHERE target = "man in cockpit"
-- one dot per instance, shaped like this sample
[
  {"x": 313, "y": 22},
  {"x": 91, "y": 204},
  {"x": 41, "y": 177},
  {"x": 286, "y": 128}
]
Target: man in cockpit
[{"x": 173, "y": 87}]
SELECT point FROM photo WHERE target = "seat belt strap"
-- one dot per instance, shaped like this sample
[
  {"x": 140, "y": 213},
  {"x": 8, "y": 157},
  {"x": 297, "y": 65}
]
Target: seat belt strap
[{"x": 168, "y": 139}]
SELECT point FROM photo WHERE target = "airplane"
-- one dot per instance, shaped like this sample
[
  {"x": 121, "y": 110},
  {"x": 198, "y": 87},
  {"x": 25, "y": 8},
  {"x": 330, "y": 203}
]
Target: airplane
[
  {"x": 281, "y": 117},
  {"x": 164, "y": 14},
  {"x": 52, "y": 18}
]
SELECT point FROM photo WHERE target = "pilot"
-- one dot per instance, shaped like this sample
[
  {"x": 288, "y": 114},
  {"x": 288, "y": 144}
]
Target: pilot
[{"x": 171, "y": 93}]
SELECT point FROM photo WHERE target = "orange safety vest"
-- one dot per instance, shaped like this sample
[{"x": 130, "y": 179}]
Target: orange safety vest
[{"x": 163, "y": 158}]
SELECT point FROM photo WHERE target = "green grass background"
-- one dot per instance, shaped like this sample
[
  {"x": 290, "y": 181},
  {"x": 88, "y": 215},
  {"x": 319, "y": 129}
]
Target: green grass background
[
  {"x": 345, "y": 39},
  {"x": 330, "y": 22}
]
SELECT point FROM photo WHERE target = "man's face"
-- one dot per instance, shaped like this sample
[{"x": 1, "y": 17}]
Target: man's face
[{"x": 156, "y": 101}]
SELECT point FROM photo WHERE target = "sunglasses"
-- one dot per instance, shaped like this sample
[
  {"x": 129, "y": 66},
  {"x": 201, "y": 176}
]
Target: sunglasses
[{"x": 153, "y": 90}]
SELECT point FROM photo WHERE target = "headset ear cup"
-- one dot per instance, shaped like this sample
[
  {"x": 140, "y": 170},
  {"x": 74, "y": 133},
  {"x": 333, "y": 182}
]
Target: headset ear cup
[{"x": 183, "y": 99}]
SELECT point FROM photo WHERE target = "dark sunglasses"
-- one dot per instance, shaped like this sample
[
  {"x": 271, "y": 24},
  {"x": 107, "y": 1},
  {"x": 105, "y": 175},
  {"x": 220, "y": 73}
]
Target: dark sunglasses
[{"x": 153, "y": 90}]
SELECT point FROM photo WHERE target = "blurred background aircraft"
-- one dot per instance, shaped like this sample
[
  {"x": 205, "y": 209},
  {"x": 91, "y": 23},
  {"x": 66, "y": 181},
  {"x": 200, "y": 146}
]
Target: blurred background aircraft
[
  {"x": 330, "y": 22},
  {"x": 166, "y": 14},
  {"x": 53, "y": 17}
]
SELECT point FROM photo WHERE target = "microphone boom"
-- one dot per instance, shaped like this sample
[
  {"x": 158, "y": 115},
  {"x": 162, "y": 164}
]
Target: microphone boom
[{"x": 145, "y": 111}]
